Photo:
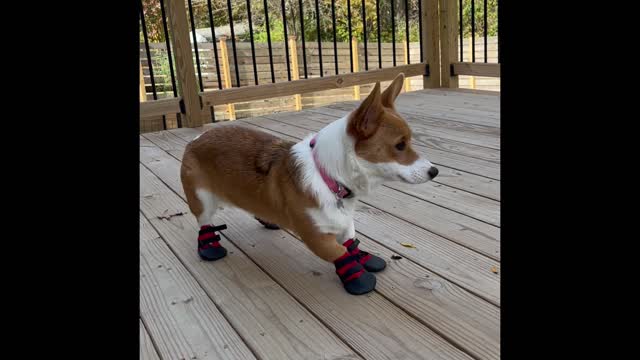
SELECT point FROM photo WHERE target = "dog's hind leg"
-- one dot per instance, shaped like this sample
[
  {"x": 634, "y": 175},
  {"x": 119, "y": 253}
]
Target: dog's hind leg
[
  {"x": 209, "y": 247},
  {"x": 203, "y": 204}
]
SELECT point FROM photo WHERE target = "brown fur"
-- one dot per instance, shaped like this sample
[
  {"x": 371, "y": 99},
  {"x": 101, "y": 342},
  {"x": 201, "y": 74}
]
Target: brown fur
[{"x": 255, "y": 171}]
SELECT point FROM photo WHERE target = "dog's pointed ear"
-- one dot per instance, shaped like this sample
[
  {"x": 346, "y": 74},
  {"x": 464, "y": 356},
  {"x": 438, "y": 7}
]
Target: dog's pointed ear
[
  {"x": 365, "y": 120},
  {"x": 391, "y": 93}
]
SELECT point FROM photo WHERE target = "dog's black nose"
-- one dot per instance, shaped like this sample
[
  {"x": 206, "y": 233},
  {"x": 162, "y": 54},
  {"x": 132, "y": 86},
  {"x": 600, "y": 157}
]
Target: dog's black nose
[{"x": 433, "y": 172}]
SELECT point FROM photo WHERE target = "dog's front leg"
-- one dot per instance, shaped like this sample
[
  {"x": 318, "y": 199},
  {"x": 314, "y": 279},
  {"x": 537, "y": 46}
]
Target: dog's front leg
[
  {"x": 370, "y": 262},
  {"x": 348, "y": 233}
]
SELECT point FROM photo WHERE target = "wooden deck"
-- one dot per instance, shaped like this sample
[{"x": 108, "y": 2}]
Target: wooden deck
[{"x": 271, "y": 298}]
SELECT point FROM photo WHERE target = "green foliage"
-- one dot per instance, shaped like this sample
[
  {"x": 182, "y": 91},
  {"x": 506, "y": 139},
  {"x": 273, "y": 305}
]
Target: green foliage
[
  {"x": 492, "y": 17},
  {"x": 220, "y": 18}
]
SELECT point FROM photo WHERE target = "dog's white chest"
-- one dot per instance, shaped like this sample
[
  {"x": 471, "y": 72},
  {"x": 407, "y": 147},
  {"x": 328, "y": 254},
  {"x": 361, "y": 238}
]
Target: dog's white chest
[{"x": 333, "y": 220}]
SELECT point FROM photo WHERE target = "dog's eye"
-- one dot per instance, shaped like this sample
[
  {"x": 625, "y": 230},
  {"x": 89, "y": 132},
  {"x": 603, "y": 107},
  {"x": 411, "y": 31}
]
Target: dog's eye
[{"x": 401, "y": 145}]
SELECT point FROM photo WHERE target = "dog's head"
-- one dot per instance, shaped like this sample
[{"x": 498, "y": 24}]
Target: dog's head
[{"x": 383, "y": 139}]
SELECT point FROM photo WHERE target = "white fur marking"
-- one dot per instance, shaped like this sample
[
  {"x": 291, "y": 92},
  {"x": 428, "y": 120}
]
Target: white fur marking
[{"x": 209, "y": 206}]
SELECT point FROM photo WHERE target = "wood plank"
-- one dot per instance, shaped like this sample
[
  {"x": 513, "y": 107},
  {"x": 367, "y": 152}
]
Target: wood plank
[
  {"x": 159, "y": 107},
  {"x": 476, "y": 69},
  {"x": 371, "y": 324},
  {"x": 167, "y": 141},
  {"x": 306, "y": 85},
  {"x": 476, "y": 91},
  {"x": 453, "y": 262},
  {"x": 464, "y": 230},
  {"x": 273, "y": 324},
  {"x": 473, "y": 234},
  {"x": 472, "y": 205},
  {"x": 474, "y": 184},
  {"x": 449, "y": 130},
  {"x": 470, "y": 150},
  {"x": 179, "y": 314},
  {"x": 185, "y": 72},
  {"x": 314, "y": 122},
  {"x": 461, "y": 317},
  {"x": 147, "y": 351},
  {"x": 460, "y": 265},
  {"x": 353, "y": 318},
  {"x": 144, "y": 142}
]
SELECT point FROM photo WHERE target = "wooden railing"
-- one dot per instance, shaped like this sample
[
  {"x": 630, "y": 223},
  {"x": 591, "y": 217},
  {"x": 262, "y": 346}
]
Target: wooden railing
[{"x": 440, "y": 67}]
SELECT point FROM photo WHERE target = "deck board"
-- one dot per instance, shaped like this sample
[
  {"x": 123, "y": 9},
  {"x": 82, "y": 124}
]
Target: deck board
[
  {"x": 469, "y": 232},
  {"x": 484, "y": 208},
  {"x": 459, "y": 174},
  {"x": 441, "y": 300},
  {"x": 312, "y": 122},
  {"x": 267, "y": 318},
  {"x": 177, "y": 310},
  {"x": 147, "y": 350},
  {"x": 248, "y": 225}
]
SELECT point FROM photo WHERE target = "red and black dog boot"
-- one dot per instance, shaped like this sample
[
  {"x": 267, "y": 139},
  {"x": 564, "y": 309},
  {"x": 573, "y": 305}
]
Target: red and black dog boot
[
  {"x": 370, "y": 262},
  {"x": 209, "y": 247},
  {"x": 355, "y": 278},
  {"x": 269, "y": 226}
]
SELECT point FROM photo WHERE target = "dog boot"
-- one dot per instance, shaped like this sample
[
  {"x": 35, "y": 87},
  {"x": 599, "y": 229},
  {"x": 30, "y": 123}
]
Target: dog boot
[
  {"x": 355, "y": 278},
  {"x": 370, "y": 262},
  {"x": 209, "y": 247},
  {"x": 268, "y": 225}
]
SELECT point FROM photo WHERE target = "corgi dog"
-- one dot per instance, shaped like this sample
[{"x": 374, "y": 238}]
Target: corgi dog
[{"x": 310, "y": 187}]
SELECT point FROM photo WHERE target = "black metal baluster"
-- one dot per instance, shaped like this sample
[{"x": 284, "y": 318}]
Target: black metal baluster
[
  {"x": 173, "y": 77},
  {"x": 286, "y": 40},
  {"x": 319, "y": 38},
  {"x": 215, "y": 46},
  {"x": 266, "y": 18},
  {"x": 350, "y": 36},
  {"x": 233, "y": 42},
  {"x": 253, "y": 46},
  {"x": 498, "y": 29},
  {"x": 166, "y": 37},
  {"x": 304, "y": 51},
  {"x": 473, "y": 31},
  {"x": 335, "y": 44},
  {"x": 379, "y": 40},
  {"x": 420, "y": 28},
  {"x": 195, "y": 45},
  {"x": 461, "y": 33},
  {"x": 486, "y": 25},
  {"x": 393, "y": 30},
  {"x": 406, "y": 29},
  {"x": 364, "y": 33},
  {"x": 149, "y": 62}
]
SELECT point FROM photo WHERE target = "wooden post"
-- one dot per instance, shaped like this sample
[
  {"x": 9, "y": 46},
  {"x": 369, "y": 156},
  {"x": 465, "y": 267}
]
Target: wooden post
[
  {"x": 356, "y": 67},
  {"x": 407, "y": 82},
  {"x": 448, "y": 41},
  {"x": 143, "y": 87},
  {"x": 295, "y": 71},
  {"x": 226, "y": 74},
  {"x": 431, "y": 42},
  {"x": 185, "y": 73}
]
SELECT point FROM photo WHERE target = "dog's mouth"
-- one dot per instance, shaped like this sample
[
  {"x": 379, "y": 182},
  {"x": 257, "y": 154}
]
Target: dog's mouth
[{"x": 412, "y": 181}]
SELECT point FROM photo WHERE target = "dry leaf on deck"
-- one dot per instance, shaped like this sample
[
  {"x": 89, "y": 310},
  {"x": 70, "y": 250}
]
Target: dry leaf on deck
[
  {"x": 408, "y": 245},
  {"x": 494, "y": 269}
]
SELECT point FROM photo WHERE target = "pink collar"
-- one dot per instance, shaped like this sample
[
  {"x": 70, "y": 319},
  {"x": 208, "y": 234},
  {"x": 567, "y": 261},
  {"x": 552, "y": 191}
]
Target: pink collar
[{"x": 338, "y": 189}]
